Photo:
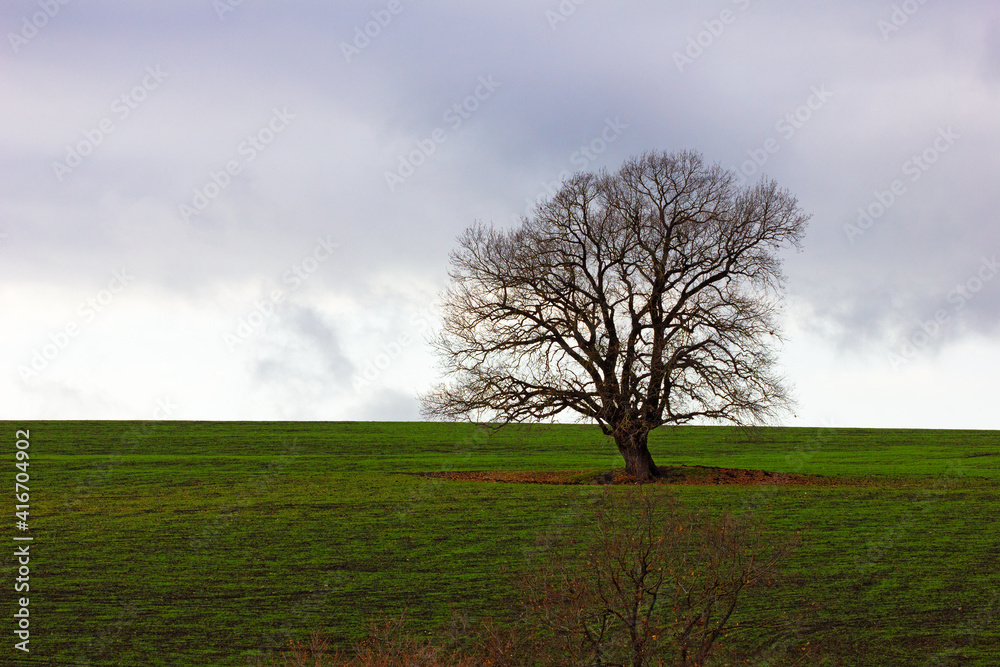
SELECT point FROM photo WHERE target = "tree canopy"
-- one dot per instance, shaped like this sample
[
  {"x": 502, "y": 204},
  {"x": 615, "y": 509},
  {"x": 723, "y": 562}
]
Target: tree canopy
[{"x": 635, "y": 299}]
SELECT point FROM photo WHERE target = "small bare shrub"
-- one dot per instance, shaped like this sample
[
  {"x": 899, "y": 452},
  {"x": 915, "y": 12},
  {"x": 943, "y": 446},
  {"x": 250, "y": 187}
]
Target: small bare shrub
[
  {"x": 311, "y": 654},
  {"x": 393, "y": 644},
  {"x": 654, "y": 587}
]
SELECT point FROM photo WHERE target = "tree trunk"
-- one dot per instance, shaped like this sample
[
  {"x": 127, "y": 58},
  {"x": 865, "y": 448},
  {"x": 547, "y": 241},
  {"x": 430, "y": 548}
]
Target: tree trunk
[{"x": 638, "y": 462}]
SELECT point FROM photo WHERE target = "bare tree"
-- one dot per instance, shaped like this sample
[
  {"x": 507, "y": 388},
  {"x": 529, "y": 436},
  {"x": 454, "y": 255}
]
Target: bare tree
[{"x": 637, "y": 298}]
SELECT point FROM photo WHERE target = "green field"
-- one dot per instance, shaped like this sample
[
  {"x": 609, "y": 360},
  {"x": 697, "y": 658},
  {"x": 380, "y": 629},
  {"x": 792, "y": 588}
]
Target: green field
[{"x": 202, "y": 543}]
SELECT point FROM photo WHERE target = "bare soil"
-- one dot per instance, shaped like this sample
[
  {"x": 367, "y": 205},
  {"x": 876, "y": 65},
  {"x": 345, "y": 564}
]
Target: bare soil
[{"x": 668, "y": 475}]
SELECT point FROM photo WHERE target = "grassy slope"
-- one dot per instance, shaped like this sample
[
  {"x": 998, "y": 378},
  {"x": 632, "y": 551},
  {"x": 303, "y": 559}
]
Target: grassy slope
[{"x": 175, "y": 543}]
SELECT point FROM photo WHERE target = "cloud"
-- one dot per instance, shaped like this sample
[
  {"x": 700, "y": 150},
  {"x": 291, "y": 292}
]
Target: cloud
[
  {"x": 301, "y": 345},
  {"x": 389, "y": 405},
  {"x": 560, "y": 83}
]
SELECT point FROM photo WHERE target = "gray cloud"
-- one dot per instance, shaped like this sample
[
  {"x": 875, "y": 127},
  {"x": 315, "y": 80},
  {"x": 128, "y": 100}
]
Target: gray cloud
[
  {"x": 389, "y": 404},
  {"x": 892, "y": 91},
  {"x": 300, "y": 343}
]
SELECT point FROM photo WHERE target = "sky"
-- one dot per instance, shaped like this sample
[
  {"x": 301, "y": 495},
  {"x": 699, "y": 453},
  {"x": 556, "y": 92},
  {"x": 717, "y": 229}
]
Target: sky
[{"x": 225, "y": 209}]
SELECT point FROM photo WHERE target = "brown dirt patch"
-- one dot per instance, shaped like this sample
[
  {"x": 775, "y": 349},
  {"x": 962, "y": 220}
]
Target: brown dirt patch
[{"x": 668, "y": 475}]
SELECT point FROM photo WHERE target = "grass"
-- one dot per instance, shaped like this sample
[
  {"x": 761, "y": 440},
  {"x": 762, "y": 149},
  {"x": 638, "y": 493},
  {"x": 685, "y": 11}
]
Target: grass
[{"x": 179, "y": 543}]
